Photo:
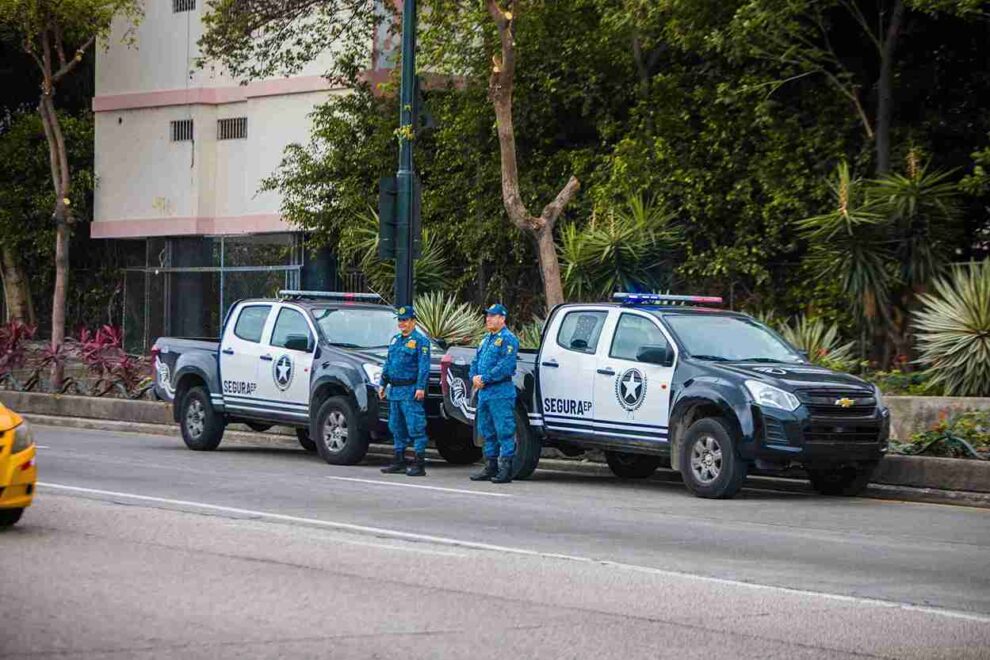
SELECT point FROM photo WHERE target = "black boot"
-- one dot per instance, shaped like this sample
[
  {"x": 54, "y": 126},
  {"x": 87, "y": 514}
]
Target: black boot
[
  {"x": 418, "y": 467},
  {"x": 398, "y": 464},
  {"x": 487, "y": 472},
  {"x": 504, "y": 475}
]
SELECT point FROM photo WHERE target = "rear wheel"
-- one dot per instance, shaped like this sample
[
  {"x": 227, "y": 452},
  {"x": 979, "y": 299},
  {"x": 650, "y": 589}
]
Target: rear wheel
[
  {"x": 710, "y": 466},
  {"x": 457, "y": 446},
  {"x": 843, "y": 481},
  {"x": 528, "y": 448},
  {"x": 631, "y": 466},
  {"x": 305, "y": 441},
  {"x": 341, "y": 440},
  {"x": 9, "y": 517},
  {"x": 202, "y": 428}
]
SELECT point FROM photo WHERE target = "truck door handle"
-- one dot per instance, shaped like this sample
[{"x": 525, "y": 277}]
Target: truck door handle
[
  {"x": 228, "y": 351},
  {"x": 266, "y": 358},
  {"x": 550, "y": 363},
  {"x": 606, "y": 372}
]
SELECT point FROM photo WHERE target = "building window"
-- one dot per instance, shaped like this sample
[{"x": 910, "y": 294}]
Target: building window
[
  {"x": 182, "y": 130},
  {"x": 234, "y": 128},
  {"x": 183, "y": 5}
]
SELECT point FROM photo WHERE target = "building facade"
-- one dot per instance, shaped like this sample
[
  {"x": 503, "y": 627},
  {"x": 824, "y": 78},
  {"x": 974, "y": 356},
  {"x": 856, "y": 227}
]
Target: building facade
[{"x": 180, "y": 154}]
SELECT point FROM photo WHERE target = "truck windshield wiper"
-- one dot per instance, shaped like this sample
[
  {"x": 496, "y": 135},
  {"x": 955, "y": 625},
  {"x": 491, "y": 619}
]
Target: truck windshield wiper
[
  {"x": 346, "y": 345},
  {"x": 715, "y": 358},
  {"x": 764, "y": 359}
]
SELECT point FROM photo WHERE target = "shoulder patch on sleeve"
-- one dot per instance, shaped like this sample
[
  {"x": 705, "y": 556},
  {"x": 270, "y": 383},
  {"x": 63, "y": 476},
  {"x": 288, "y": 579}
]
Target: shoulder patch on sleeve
[
  {"x": 510, "y": 349},
  {"x": 426, "y": 350}
]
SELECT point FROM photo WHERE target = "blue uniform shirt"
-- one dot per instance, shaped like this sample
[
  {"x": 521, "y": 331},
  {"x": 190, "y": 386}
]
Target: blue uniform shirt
[
  {"x": 495, "y": 362},
  {"x": 407, "y": 367}
]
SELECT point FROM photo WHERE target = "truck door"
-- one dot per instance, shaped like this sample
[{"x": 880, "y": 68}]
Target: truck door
[
  {"x": 566, "y": 369},
  {"x": 288, "y": 362},
  {"x": 240, "y": 350},
  {"x": 632, "y": 391}
]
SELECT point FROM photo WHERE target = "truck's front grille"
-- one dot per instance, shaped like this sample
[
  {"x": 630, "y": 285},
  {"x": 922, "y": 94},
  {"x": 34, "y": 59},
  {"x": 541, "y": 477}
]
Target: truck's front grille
[
  {"x": 825, "y": 404},
  {"x": 823, "y": 433}
]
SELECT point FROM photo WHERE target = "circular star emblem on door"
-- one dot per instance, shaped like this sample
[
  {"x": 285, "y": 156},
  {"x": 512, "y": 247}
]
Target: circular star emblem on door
[
  {"x": 630, "y": 389},
  {"x": 282, "y": 372}
]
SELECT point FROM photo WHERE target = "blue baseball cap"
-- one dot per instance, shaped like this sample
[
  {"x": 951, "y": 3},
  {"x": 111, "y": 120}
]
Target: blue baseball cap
[
  {"x": 405, "y": 312},
  {"x": 497, "y": 308}
]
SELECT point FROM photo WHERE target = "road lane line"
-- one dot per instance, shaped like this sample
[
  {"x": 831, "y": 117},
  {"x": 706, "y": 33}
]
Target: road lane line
[
  {"x": 403, "y": 485},
  {"x": 475, "y": 545}
]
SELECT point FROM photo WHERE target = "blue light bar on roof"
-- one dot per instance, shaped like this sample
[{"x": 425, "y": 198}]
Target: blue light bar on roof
[
  {"x": 664, "y": 299},
  {"x": 330, "y": 295}
]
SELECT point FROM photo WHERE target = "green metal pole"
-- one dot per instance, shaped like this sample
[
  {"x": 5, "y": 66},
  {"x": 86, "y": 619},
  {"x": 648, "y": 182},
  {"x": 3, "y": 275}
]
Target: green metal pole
[{"x": 406, "y": 173}]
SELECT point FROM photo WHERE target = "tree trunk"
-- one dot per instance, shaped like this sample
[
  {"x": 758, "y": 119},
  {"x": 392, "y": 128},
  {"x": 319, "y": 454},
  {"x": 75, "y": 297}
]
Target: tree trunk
[
  {"x": 500, "y": 88},
  {"x": 885, "y": 87},
  {"x": 16, "y": 288}
]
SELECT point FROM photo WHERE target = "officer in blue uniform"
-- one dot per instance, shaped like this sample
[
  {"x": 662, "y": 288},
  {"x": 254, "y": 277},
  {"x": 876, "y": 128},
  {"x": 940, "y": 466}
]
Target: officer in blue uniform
[
  {"x": 407, "y": 372},
  {"x": 491, "y": 374}
]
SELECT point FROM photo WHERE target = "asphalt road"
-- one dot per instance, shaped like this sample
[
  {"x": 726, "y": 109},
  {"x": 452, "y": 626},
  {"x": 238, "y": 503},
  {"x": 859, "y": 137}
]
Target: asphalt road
[{"x": 137, "y": 547}]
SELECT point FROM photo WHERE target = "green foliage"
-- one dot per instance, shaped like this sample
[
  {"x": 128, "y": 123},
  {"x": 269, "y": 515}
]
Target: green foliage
[
  {"x": 529, "y": 335},
  {"x": 953, "y": 331},
  {"x": 628, "y": 248},
  {"x": 821, "y": 341},
  {"x": 449, "y": 321},
  {"x": 954, "y": 436},
  {"x": 78, "y": 22},
  {"x": 898, "y": 382}
]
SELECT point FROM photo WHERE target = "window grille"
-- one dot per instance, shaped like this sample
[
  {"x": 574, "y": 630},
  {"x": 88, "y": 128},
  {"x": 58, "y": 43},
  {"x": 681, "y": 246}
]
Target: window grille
[
  {"x": 234, "y": 128},
  {"x": 183, "y": 5},
  {"x": 182, "y": 130}
]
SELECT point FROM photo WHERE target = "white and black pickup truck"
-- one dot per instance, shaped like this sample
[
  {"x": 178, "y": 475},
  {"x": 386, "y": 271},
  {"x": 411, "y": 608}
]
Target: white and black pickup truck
[
  {"x": 308, "y": 360},
  {"x": 655, "y": 378}
]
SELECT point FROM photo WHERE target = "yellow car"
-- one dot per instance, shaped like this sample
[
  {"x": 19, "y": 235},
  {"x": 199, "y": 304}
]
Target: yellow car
[{"x": 18, "y": 473}]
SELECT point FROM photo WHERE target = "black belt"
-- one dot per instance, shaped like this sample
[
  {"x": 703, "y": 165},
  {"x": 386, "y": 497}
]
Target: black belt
[{"x": 401, "y": 382}]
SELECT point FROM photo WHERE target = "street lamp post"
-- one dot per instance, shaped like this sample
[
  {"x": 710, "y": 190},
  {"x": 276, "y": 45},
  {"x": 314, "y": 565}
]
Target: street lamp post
[{"x": 407, "y": 198}]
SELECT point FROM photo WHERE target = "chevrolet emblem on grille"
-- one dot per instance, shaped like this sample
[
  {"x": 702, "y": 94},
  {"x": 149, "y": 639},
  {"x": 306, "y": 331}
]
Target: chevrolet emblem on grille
[{"x": 845, "y": 402}]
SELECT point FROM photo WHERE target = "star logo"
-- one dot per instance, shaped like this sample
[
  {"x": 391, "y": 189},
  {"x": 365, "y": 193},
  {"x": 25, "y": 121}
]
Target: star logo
[
  {"x": 282, "y": 372},
  {"x": 630, "y": 389}
]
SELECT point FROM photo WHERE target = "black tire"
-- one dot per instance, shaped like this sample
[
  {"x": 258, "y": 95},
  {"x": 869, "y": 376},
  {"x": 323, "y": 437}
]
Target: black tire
[
  {"x": 202, "y": 428},
  {"x": 260, "y": 427},
  {"x": 305, "y": 441},
  {"x": 709, "y": 463},
  {"x": 631, "y": 466},
  {"x": 845, "y": 481},
  {"x": 9, "y": 517},
  {"x": 341, "y": 440},
  {"x": 456, "y": 445}
]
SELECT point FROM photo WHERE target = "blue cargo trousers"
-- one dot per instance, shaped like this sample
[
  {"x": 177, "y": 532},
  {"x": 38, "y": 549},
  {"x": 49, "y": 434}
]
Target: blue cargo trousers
[
  {"x": 497, "y": 424},
  {"x": 407, "y": 422}
]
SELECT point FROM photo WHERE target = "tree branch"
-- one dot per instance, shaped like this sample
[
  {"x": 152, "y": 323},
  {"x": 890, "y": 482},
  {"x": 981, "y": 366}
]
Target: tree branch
[{"x": 71, "y": 64}]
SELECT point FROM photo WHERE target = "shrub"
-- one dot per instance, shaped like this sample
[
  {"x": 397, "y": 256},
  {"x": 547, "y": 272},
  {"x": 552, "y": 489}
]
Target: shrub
[
  {"x": 529, "y": 335},
  {"x": 953, "y": 331},
  {"x": 956, "y": 436},
  {"x": 443, "y": 318}
]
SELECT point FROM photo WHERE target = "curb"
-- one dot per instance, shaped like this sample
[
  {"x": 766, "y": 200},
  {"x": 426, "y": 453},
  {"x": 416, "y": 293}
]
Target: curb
[{"x": 284, "y": 438}]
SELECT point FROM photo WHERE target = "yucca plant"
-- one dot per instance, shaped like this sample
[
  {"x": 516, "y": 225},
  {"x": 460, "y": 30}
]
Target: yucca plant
[
  {"x": 443, "y": 318},
  {"x": 529, "y": 335},
  {"x": 821, "y": 340},
  {"x": 953, "y": 331}
]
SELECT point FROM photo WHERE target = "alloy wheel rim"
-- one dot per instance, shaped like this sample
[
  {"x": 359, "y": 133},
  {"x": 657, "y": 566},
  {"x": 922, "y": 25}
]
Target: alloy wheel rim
[
  {"x": 335, "y": 431},
  {"x": 706, "y": 459},
  {"x": 195, "y": 418}
]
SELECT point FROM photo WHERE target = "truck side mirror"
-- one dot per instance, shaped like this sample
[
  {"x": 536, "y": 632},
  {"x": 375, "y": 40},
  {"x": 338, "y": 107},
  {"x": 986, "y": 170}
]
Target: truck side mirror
[
  {"x": 662, "y": 355},
  {"x": 298, "y": 343}
]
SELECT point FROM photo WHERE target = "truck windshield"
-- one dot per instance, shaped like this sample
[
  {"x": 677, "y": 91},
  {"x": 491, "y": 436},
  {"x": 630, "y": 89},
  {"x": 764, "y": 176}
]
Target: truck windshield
[
  {"x": 356, "y": 327},
  {"x": 729, "y": 338}
]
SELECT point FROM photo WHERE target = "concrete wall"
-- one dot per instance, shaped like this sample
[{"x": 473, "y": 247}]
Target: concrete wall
[{"x": 914, "y": 414}]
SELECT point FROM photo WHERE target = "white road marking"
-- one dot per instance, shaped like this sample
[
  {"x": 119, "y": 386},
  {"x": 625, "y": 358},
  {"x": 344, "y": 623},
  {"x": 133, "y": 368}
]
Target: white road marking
[
  {"x": 474, "y": 545},
  {"x": 42, "y": 447},
  {"x": 404, "y": 485}
]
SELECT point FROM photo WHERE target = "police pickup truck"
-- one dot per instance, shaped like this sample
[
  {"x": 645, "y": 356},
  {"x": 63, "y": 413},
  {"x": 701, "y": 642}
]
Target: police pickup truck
[
  {"x": 650, "y": 378},
  {"x": 308, "y": 360}
]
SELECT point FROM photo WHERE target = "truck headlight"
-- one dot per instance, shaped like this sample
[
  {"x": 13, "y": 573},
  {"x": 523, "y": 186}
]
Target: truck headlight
[
  {"x": 373, "y": 372},
  {"x": 772, "y": 397},
  {"x": 23, "y": 438},
  {"x": 878, "y": 395}
]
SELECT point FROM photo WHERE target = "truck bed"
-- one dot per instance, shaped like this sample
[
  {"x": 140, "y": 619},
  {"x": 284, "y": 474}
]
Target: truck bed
[{"x": 459, "y": 400}]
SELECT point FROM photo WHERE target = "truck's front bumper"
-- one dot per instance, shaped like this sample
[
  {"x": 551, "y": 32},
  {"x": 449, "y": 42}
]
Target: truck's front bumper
[{"x": 782, "y": 437}]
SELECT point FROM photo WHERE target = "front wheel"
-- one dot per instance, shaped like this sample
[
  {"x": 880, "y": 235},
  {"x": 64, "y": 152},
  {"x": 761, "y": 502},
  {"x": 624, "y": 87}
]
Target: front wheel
[
  {"x": 9, "y": 517},
  {"x": 340, "y": 439},
  {"x": 631, "y": 466},
  {"x": 202, "y": 428},
  {"x": 709, "y": 464},
  {"x": 844, "y": 481}
]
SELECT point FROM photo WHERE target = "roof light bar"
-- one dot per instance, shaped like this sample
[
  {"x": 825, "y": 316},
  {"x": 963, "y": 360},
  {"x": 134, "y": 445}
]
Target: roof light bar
[
  {"x": 664, "y": 299},
  {"x": 330, "y": 295}
]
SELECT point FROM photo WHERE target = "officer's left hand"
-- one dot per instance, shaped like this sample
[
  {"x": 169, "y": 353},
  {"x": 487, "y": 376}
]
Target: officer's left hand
[
  {"x": 420, "y": 395},
  {"x": 478, "y": 383}
]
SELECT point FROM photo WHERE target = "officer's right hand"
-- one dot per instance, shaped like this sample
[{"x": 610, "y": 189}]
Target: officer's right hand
[
  {"x": 381, "y": 393},
  {"x": 478, "y": 383}
]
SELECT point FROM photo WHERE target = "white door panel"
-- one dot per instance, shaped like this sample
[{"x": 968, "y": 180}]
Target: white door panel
[
  {"x": 240, "y": 350},
  {"x": 287, "y": 368}
]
